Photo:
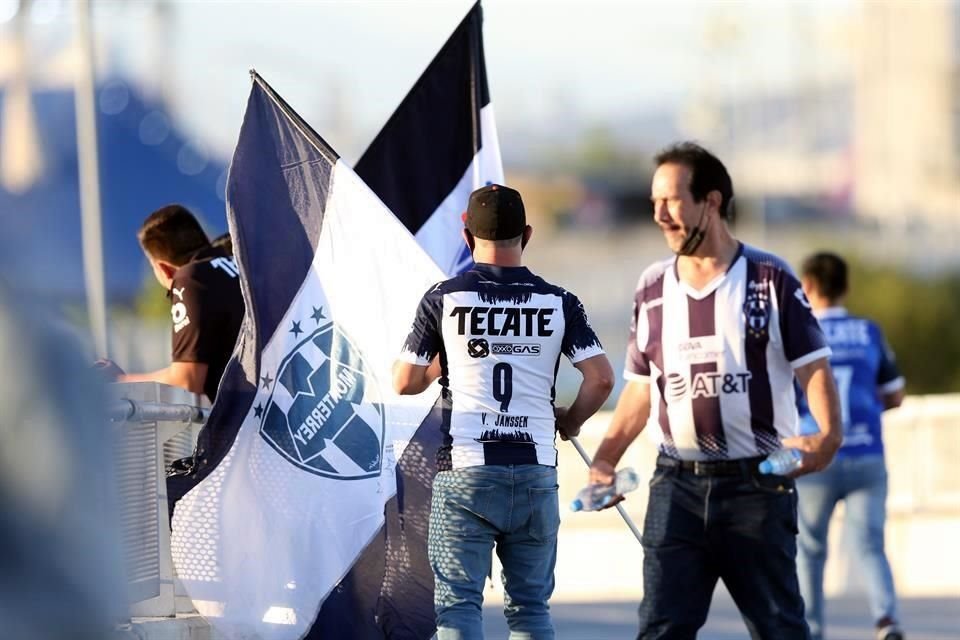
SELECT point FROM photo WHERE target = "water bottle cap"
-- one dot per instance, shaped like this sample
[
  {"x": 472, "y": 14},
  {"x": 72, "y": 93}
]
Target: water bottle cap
[
  {"x": 765, "y": 467},
  {"x": 576, "y": 505}
]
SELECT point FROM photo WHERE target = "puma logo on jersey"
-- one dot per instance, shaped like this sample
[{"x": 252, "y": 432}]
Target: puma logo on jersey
[
  {"x": 179, "y": 315},
  {"x": 503, "y": 321}
]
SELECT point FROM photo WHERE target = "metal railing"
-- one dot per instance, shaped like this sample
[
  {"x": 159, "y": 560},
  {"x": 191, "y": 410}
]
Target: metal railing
[
  {"x": 127, "y": 410},
  {"x": 156, "y": 424}
]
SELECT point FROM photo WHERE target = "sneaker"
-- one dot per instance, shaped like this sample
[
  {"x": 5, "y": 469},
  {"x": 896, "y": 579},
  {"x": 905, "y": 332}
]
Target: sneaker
[{"x": 890, "y": 632}]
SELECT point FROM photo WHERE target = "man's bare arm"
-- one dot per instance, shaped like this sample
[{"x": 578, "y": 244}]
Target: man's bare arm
[
  {"x": 821, "y": 391},
  {"x": 629, "y": 419},
  {"x": 411, "y": 379},
  {"x": 893, "y": 399},
  {"x": 594, "y": 389},
  {"x": 186, "y": 375}
]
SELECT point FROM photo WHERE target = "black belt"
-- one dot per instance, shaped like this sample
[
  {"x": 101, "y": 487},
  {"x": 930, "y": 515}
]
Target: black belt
[{"x": 738, "y": 467}]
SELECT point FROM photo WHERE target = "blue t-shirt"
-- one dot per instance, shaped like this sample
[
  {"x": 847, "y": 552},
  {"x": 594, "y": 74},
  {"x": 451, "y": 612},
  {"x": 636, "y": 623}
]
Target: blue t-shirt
[{"x": 865, "y": 369}]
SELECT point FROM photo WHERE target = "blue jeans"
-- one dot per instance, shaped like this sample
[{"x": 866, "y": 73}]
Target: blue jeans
[
  {"x": 514, "y": 506},
  {"x": 861, "y": 482},
  {"x": 737, "y": 528}
]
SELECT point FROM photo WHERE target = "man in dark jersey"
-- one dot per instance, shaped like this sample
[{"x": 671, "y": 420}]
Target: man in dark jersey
[
  {"x": 494, "y": 336},
  {"x": 203, "y": 285}
]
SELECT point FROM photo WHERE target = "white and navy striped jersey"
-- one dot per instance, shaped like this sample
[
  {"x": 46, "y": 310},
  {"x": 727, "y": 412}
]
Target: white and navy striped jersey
[
  {"x": 720, "y": 360},
  {"x": 499, "y": 332}
]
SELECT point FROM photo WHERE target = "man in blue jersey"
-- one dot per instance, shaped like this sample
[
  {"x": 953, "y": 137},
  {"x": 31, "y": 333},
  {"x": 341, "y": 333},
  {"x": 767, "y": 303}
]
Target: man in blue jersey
[
  {"x": 718, "y": 334},
  {"x": 494, "y": 336},
  {"x": 869, "y": 383}
]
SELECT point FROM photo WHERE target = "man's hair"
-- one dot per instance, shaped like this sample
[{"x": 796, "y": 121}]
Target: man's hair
[
  {"x": 707, "y": 173},
  {"x": 506, "y": 243},
  {"x": 223, "y": 241},
  {"x": 828, "y": 271},
  {"x": 172, "y": 234}
]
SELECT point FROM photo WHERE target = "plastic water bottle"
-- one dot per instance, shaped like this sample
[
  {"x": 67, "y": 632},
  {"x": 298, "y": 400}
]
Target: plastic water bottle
[
  {"x": 781, "y": 462},
  {"x": 597, "y": 496}
]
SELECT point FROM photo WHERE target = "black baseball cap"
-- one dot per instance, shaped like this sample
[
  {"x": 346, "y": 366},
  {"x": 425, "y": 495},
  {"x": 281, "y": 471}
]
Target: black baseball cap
[{"x": 495, "y": 212}]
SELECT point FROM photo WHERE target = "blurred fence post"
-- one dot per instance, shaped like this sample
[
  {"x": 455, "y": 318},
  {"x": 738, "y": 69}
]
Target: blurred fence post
[{"x": 89, "y": 176}]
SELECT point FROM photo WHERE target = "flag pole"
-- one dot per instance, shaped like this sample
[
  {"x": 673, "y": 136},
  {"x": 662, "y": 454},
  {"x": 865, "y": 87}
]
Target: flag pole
[
  {"x": 623, "y": 512},
  {"x": 89, "y": 176},
  {"x": 476, "y": 34},
  {"x": 318, "y": 143}
]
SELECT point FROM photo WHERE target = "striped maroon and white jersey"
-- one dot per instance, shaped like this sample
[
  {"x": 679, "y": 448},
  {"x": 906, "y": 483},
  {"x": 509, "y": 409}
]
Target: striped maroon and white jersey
[{"x": 720, "y": 360}]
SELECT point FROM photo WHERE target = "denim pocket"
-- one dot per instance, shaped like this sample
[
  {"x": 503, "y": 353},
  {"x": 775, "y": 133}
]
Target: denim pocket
[
  {"x": 779, "y": 495},
  {"x": 659, "y": 475},
  {"x": 465, "y": 509},
  {"x": 544, "y": 513},
  {"x": 773, "y": 485}
]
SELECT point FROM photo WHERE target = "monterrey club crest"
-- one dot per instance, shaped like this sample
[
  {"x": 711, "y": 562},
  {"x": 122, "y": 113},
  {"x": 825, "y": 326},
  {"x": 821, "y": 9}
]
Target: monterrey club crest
[
  {"x": 324, "y": 413},
  {"x": 756, "y": 309}
]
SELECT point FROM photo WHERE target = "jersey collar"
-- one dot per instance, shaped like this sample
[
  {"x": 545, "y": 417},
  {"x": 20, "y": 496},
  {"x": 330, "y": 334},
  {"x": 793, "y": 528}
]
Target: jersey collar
[
  {"x": 711, "y": 286},
  {"x": 498, "y": 271},
  {"x": 830, "y": 312}
]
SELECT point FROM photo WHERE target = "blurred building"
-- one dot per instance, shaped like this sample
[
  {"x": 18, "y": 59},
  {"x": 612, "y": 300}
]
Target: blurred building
[
  {"x": 146, "y": 160},
  {"x": 907, "y": 112},
  {"x": 882, "y": 144}
]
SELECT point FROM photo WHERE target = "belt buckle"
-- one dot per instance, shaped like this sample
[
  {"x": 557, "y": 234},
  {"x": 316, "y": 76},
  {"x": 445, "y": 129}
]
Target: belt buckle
[{"x": 700, "y": 469}]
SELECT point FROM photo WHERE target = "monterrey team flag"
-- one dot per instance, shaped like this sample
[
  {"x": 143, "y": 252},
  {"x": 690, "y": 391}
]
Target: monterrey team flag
[
  {"x": 438, "y": 146},
  {"x": 297, "y": 458}
]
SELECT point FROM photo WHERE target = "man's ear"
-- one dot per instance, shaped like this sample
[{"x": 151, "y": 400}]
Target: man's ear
[
  {"x": 468, "y": 238},
  {"x": 527, "y": 233},
  {"x": 714, "y": 201},
  {"x": 167, "y": 268}
]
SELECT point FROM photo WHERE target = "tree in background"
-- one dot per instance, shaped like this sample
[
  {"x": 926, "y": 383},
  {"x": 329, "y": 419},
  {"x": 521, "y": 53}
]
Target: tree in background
[{"x": 920, "y": 315}]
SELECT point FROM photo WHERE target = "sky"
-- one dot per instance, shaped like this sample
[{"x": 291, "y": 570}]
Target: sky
[
  {"x": 345, "y": 65},
  {"x": 547, "y": 61}
]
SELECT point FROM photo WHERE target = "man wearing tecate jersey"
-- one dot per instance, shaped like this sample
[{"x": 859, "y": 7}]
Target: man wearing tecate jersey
[{"x": 494, "y": 336}]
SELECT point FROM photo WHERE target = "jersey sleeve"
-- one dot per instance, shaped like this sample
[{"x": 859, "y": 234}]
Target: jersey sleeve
[
  {"x": 637, "y": 364},
  {"x": 889, "y": 379},
  {"x": 803, "y": 339},
  {"x": 424, "y": 341},
  {"x": 192, "y": 320},
  {"x": 579, "y": 339}
]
